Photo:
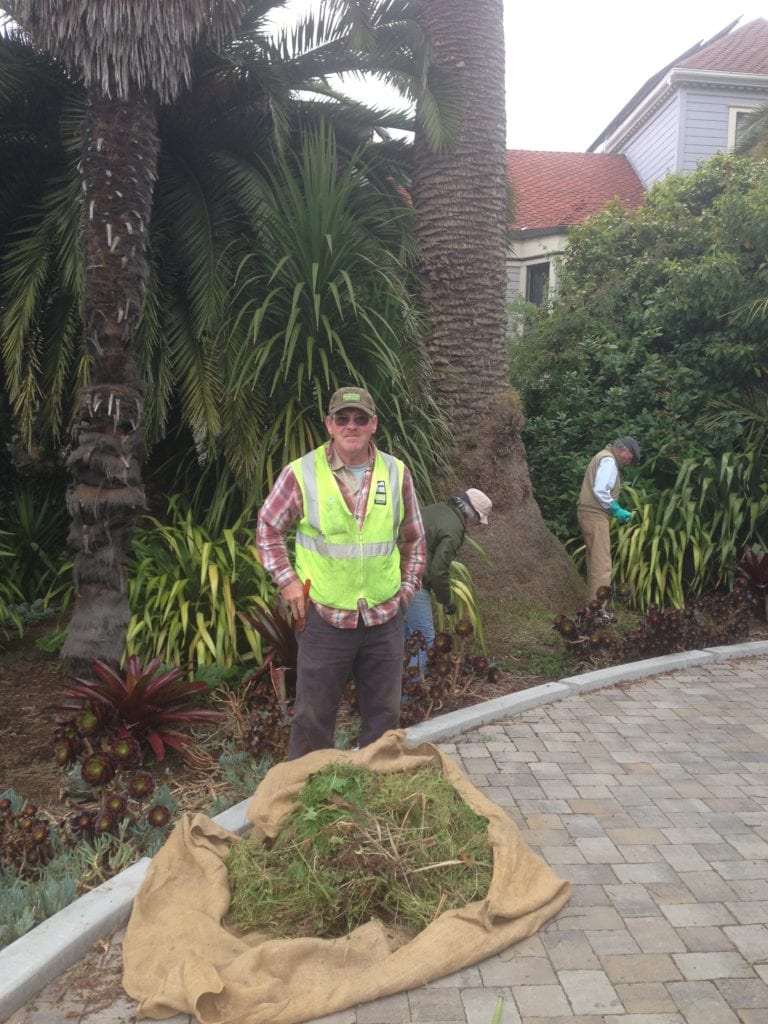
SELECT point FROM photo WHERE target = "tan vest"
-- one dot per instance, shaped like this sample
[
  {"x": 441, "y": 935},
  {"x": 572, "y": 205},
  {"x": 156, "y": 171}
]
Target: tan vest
[{"x": 587, "y": 501}]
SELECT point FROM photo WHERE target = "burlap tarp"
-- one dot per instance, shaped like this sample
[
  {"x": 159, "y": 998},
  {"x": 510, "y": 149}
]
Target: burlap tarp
[{"x": 178, "y": 956}]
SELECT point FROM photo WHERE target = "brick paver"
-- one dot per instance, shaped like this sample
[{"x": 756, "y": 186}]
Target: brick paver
[{"x": 652, "y": 799}]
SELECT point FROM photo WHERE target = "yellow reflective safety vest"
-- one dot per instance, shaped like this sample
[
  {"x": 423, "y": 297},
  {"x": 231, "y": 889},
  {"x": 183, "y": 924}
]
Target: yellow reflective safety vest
[{"x": 344, "y": 560}]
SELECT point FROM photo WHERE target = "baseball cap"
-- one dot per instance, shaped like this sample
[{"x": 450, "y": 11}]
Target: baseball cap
[
  {"x": 631, "y": 445},
  {"x": 480, "y": 502},
  {"x": 351, "y": 397}
]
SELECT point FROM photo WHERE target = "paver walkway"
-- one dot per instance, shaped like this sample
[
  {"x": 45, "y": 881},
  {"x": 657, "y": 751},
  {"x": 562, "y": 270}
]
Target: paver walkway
[{"x": 652, "y": 799}]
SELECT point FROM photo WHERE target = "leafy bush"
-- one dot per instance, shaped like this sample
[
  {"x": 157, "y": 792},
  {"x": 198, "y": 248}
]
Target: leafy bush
[
  {"x": 753, "y": 569},
  {"x": 686, "y": 540},
  {"x": 36, "y": 562},
  {"x": 650, "y": 327},
  {"x": 10, "y": 596},
  {"x": 190, "y": 593}
]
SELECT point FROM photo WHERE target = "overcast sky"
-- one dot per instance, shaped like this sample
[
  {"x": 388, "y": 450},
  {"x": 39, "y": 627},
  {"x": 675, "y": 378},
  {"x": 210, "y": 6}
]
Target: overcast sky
[{"x": 573, "y": 64}]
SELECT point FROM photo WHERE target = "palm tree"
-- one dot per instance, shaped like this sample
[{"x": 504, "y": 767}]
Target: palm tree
[
  {"x": 156, "y": 295},
  {"x": 460, "y": 197},
  {"x": 129, "y": 62}
]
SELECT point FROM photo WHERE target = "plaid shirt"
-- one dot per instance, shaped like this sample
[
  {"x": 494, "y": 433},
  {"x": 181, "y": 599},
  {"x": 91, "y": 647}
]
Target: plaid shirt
[{"x": 284, "y": 506}]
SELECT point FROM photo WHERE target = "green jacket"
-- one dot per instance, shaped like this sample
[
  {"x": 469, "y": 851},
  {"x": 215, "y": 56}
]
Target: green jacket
[{"x": 445, "y": 526}]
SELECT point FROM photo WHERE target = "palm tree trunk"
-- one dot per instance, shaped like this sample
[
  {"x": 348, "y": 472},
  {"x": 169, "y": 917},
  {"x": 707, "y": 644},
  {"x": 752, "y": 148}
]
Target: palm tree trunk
[
  {"x": 460, "y": 198},
  {"x": 120, "y": 151}
]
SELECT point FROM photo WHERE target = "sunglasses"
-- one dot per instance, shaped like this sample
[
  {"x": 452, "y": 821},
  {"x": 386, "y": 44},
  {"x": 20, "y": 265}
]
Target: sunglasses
[{"x": 360, "y": 419}]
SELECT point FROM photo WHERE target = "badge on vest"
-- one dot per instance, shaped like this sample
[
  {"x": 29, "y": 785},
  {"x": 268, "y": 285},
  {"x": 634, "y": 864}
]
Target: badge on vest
[{"x": 380, "y": 497}]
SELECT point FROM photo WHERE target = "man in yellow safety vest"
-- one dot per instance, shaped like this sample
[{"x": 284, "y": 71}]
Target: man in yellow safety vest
[{"x": 359, "y": 557}]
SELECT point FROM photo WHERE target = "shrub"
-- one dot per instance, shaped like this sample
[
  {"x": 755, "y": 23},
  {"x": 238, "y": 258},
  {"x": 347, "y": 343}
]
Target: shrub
[
  {"x": 649, "y": 328},
  {"x": 190, "y": 592},
  {"x": 35, "y": 557},
  {"x": 686, "y": 540}
]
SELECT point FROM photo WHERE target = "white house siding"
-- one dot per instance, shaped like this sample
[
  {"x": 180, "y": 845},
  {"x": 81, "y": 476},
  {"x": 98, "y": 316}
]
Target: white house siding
[
  {"x": 538, "y": 248},
  {"x": 513, "y": 281},
  {"x": 653, "y": 149},
  {"x": 706, "y": 123}
]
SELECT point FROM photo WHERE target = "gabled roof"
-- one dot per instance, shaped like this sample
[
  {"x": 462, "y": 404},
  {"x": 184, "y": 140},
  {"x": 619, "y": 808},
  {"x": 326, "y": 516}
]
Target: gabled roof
[
  {"x": 555, "y": 190},
  {"x": 743, "y": 51}
]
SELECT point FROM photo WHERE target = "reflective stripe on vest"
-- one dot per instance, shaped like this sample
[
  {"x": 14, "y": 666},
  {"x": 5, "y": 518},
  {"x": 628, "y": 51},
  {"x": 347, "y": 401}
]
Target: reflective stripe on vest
[
  {"x": 347, "y": 561},
  {"x": 312, "y": 513}
]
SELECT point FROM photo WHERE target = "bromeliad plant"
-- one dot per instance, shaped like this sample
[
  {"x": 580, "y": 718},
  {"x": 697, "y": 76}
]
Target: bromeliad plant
[{"x": 139, "y": 705}]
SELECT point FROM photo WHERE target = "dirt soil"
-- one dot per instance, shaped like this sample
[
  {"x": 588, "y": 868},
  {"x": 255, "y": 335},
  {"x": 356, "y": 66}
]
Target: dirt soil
[{"x": 31, "y": 685}]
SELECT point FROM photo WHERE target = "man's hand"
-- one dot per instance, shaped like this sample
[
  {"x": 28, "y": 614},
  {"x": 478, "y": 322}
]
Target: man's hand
[
  {"x": 621, "y": 515},
  {"x": 295, "y": 597},
  {"x": 450, "y": 608}
]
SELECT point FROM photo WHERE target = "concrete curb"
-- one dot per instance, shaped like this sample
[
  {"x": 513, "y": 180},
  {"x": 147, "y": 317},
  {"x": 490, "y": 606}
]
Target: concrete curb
[
  {"x": 29, "y": 963},
  {"x": 35, "y": 959}
]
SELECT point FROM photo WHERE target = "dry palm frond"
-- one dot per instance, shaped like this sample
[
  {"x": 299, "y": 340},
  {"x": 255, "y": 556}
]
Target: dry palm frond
[{"x": 121, "y": 48}]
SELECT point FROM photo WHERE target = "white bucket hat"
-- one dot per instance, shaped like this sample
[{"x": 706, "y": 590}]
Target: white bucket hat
[{"x": 480, "y": 502}]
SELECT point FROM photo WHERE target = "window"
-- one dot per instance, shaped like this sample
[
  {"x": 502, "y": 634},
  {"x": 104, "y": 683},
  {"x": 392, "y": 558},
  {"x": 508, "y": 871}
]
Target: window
[
  {"x": 737, "y": 118},
  {"x": 537, "y": 283}
]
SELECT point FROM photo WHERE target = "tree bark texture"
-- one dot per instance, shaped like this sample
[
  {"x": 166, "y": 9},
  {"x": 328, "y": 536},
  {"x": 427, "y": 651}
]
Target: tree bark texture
[
  {"x": 460, "y": 196},
  {"x": 120, "y": 151}
]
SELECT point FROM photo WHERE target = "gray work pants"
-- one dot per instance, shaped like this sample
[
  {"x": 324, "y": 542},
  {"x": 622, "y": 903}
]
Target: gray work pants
[{"x": 328, "y": 656}]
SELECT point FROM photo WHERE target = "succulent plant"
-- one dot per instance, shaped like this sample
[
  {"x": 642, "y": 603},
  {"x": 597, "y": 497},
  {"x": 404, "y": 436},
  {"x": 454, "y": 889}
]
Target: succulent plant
[
  {"x": 158, "y": 816},
  {"x": 88, "y": 722},
  {"x": 98, "y": 769},
  {"x": 125, "y": 749},
  {"x": 116, "y": 805},
  {"x": 65, "y": 753},
  {"x": 141, "y": 785},
  {"x": 81, "y": 824},
  {"x": 443, "y": 643},
  {"x": 105, "y": 824}
]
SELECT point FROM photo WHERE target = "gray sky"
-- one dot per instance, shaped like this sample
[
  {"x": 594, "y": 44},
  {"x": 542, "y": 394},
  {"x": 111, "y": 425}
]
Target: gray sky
[{"x": 573, "y": 64}]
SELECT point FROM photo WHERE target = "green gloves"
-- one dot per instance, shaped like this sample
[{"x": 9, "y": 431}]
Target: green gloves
[{"x": 619, "y": 513}]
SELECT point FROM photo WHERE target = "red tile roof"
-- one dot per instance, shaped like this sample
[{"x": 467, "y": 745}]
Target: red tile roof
[
  {"x": 554, "y": 189},
  {"x": 743, "y": 51}
]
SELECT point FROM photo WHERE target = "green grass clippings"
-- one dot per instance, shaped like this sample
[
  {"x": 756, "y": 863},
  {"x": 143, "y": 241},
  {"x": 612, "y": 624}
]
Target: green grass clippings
[{"x": 400, "y": 847}]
